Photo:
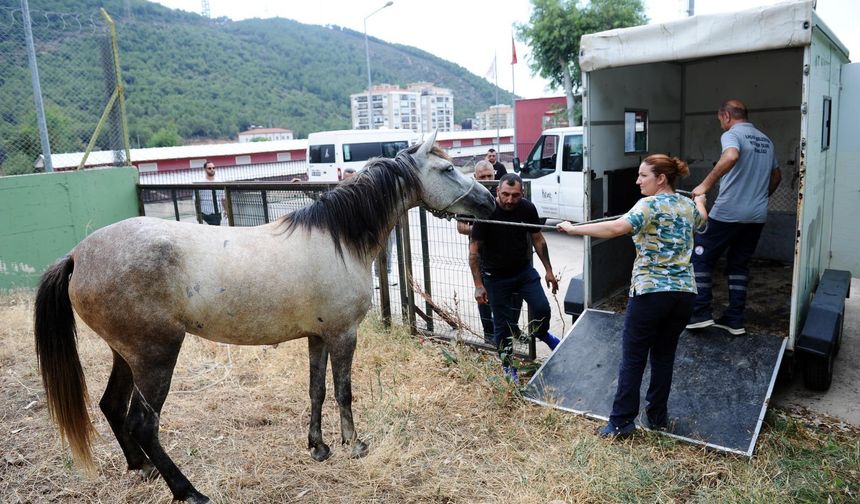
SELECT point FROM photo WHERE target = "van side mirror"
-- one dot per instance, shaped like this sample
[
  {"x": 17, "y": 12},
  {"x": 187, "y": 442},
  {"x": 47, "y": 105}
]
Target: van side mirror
[{"x": 517, "y": 166}]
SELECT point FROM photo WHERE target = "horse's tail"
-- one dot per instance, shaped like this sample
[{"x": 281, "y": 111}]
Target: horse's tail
[{"x": 57, "y": 353}]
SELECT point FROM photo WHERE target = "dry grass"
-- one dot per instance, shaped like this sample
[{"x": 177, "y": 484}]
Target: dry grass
[{"x": 442, "y": 427}]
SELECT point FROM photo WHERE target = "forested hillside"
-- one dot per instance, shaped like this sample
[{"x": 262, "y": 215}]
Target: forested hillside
[{"x": 209, "y": 79}]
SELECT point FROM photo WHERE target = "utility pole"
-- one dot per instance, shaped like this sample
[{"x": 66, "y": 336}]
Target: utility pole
[{"x": 367, "y": 56}]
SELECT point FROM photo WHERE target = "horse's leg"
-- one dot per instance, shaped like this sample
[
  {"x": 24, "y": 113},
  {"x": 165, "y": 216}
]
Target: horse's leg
[
  {"x": 114, "y": 405},
  {"x": 153, "y": 369},
  {"x": 318, "y": 356},
  {"x": 341, "y": 370}
]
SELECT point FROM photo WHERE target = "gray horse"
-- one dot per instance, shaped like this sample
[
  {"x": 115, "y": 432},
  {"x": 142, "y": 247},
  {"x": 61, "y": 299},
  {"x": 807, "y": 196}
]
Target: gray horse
[{"x": 143, "y": 283}]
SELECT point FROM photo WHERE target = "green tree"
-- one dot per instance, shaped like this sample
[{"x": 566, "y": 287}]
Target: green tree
[
  {"x": 166, "y": 136},
  {"x": 555, "y": 28}
]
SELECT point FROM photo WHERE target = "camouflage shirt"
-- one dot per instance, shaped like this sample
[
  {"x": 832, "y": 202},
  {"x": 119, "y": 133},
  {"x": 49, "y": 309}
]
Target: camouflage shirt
[{"x": 663, "y": 227}]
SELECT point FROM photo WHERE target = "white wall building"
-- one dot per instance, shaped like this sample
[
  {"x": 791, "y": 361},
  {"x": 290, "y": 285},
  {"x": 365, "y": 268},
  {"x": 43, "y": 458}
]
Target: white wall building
[
  {"x": 420, "y": 107},
  {"x": 267, "y": 133},
  {"x": 497, "y": 116}
]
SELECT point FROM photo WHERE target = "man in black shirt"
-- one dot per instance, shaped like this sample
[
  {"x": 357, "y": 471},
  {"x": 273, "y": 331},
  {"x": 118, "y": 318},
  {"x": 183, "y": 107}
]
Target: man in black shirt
[
  {"x": 492, "y": 158},
  {"x": 500, "y": 258}
]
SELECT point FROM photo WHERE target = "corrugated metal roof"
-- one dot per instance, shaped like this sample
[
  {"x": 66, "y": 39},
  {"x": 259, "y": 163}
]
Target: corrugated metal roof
[
  {"x": 202, "y": 151},
  {"x": 153, "y": 154}
]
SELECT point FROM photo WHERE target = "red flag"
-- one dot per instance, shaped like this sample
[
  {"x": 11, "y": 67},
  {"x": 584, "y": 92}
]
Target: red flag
[{"x": 513, "y": 51}]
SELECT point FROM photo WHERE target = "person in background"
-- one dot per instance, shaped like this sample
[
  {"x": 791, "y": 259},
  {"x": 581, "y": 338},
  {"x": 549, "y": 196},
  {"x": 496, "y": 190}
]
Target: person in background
[
  {"x": 662, "y": 288},
  {"x": 211, "y": 200},
  {"x": 748, "y": 173},
  {"x": 500, "y": 258},
  {"x": 499, "y": 168}
]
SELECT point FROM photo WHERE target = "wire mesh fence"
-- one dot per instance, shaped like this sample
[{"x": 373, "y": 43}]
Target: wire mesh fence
[{"x": 77, "y": 74}]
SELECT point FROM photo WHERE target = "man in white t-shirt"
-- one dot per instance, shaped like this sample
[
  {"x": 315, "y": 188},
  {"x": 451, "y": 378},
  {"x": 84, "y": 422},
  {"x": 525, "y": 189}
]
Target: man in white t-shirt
[
  {"x": 211, "y": 200},
  {"x": 748, "y": 173}
]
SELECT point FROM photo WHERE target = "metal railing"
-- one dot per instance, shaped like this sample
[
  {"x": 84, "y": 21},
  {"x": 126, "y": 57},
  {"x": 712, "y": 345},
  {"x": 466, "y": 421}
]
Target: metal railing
[{"x": 430, "y": 288}]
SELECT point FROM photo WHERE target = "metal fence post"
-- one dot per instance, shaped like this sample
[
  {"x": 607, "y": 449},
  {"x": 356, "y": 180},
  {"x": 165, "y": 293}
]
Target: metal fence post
[
  {"x": 37, "y": 89},
  {"x": 228, "y": 196},
  {"x": 404, "y": 252},
  {"x": 425, "y": 263},
  {"x": 175, "y": 203},
  {"x": 382, "y": 278},
  {"x": 197, "y": 211},
  {"x": 265, "y": 199}
]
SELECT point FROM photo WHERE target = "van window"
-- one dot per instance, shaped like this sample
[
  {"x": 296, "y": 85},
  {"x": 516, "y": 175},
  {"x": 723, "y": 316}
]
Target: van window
[
  {"x": 390, "y": 149},
  {"x": 321, "y": 153},
  {"x": 364, "y": 151},
  {"x": 572, "y": 161},
  {"x": 542, "y": 159}
]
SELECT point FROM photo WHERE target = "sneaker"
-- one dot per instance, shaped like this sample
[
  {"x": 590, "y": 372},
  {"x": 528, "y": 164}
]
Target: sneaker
[
  {"x": 658, "y": 425},
  {"x": 734, "y": 328},
  {"x": 700, "y": 322},
  {"x": 550, "y": 340},
  {"x": 612, "y": 431},
  {"x": 511, "y": 373}
]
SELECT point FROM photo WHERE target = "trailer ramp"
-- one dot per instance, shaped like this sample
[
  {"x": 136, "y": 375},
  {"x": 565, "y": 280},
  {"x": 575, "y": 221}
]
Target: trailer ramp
[{"x": 720, "y": 390}]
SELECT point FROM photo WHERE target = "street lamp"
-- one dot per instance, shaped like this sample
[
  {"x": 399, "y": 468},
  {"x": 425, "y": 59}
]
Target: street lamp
[{"x": 367, "y": 55}]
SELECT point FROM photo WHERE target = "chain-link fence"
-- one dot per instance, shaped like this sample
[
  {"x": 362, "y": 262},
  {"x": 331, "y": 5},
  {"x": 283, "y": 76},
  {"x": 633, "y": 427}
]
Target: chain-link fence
[{"x": 75, "y": 58}]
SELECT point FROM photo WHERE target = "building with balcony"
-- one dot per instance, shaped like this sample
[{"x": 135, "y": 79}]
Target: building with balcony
[
  {"x": 497, "y": 116},
  {"x": 421, "y": 107}
]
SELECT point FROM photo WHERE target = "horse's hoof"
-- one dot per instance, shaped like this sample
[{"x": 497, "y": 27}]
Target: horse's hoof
[
  {"x": 321, "y": 452},
  {"x": 359, "y": 449},
  {"x": 197, "y": 498}
]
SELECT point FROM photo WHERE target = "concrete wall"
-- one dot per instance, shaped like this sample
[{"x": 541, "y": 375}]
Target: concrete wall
[{"x": 44, "y": 215}]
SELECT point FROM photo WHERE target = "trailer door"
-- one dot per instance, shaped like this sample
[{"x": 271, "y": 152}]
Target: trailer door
[{"x": 845, "y": 241}]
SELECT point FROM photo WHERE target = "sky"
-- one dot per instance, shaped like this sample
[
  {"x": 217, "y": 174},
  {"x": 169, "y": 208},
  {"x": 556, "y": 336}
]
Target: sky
[{"x": 472, "y": 33}]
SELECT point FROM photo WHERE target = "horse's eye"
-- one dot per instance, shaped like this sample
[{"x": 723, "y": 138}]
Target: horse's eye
[{"x": 449, "y": 168}]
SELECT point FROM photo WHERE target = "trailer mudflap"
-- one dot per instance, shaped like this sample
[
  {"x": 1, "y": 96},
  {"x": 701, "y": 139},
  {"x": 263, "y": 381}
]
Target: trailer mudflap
[{"x": 720, "y": 391}]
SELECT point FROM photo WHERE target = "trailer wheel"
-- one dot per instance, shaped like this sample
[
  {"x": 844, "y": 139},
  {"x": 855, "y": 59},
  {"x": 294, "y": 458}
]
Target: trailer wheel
[
  {"x": 787, "y": 369},
  {"x": 838, "y": 343},
  {"x": 818, "y": 372}
]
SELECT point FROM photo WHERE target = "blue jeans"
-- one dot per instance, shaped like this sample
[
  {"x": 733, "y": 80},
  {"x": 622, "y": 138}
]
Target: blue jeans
[
  {"x": 651, "y": 328},
  {"x": 500, "y": 292},
  {"x": 740, "y": 240}
]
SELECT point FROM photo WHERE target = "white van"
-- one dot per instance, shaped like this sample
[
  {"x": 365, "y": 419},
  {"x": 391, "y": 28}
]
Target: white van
[
  {"x": 554, "y": 167},
  {"x": 331, "y": 152}
]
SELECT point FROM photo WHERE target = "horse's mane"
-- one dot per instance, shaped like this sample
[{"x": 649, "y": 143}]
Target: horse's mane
[{"x": 357, "y": 212}]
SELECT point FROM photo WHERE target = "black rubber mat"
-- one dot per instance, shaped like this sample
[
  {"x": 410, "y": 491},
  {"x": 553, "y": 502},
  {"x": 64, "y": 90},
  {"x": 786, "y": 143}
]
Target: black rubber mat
[{"x": 720, "y": 389}]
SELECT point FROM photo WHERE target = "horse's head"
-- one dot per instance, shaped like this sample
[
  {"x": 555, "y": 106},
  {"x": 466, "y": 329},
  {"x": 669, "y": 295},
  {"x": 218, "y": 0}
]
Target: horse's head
[{"x": 444, "y": 189}]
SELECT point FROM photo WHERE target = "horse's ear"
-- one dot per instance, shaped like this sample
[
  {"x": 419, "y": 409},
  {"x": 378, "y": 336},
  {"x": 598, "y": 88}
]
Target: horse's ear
[{"x": 427, "y": 145}]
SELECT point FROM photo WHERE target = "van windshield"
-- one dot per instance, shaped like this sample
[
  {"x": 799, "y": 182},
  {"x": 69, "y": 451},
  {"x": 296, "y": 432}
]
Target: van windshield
[
  {"x": 364, "y": 151},
  {"x": 541, "y": 160}
]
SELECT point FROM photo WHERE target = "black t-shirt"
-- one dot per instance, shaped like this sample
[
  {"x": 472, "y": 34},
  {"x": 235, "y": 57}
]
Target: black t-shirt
[
  {"x": 500, "y": 170},
  {"x": 506, "y": 250}
]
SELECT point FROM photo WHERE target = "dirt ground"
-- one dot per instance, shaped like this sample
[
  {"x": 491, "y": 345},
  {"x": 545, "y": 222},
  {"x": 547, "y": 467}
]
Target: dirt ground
[{"x": 442, "y": 424}]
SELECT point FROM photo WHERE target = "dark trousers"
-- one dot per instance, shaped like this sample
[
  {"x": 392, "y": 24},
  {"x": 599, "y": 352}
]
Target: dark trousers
[
  {"x": 738, "y": 240},
  {"x": 487, "y": 317},
  {"x": 651, "y": 328},
  {"x": 213, "y": 219},
  {"x": 500, "y": 291}
]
